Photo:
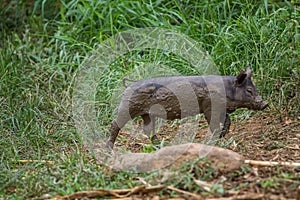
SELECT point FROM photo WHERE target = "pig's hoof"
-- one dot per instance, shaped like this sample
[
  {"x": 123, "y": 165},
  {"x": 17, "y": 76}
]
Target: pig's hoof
[
  {"x": 223, "y": 133},
  {"x": 109, "y": 145},
  {"x": 154, "y": 139}
]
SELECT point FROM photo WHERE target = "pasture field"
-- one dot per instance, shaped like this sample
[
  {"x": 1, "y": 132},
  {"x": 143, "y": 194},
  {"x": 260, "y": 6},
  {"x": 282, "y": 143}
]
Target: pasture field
[{"x": 44, "y": 43}]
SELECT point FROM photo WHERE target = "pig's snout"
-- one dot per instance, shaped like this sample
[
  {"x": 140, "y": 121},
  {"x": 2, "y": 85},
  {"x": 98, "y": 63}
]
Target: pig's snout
[
  {"x": 259, "y": 104},
  {"x": 263, "y": 105}
]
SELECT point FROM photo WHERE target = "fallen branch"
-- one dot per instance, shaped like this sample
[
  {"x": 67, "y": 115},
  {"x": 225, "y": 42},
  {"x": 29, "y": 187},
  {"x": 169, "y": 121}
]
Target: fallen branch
[
  {"x": 252, "y": 196},
  {"x": 123, "y": 193},
  {"x": 270, "y": 163}
]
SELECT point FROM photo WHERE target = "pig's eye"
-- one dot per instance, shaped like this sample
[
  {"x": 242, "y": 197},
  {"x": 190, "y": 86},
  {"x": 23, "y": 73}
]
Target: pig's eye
[{"x": 249, "y": 91}]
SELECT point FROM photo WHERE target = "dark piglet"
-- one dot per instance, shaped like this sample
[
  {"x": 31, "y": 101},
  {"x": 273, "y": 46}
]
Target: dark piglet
[{"x": 176, "y": 97}]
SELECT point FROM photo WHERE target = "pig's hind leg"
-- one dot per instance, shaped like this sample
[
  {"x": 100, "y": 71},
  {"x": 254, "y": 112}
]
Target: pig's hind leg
[{"x": 149, "y": 126}]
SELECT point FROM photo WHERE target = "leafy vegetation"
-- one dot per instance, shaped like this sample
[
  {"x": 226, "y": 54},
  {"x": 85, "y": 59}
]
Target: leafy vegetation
[{"x": 44, "y": 43}]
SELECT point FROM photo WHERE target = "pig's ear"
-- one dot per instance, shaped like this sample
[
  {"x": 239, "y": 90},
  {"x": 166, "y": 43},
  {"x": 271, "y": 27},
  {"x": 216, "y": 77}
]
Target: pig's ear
[
  {"x": 248, "y": 71},
  {"x": 241, "y": 78}
]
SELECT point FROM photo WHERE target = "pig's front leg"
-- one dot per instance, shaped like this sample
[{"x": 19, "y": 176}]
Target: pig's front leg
[
  {"x": 149, "y": 126},
  {"x": 114, "y": 131},
  {"x": 226, "y": 126},
  {"x": 116, "y": 125},
  {"x": 214, "y": 120}
]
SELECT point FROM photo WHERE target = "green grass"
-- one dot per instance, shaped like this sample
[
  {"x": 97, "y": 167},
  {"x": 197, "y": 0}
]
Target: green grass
[{"x": 44, "y": 42}]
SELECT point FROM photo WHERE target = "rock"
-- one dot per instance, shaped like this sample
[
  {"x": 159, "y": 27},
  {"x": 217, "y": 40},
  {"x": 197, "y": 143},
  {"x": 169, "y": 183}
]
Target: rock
[{"x": 223, "y": 159}]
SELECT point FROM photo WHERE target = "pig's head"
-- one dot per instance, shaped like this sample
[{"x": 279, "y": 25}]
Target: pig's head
[{"x": 243, "y": 94}]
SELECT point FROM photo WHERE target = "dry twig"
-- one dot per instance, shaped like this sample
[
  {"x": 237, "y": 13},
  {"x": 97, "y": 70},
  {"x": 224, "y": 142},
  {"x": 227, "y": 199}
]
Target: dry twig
[
  {"x": 192, "y": 195},
  {"x": 270, "y": 163},
  {"x": 249, "y": 196},
  {"x": 36, "y": 161}
]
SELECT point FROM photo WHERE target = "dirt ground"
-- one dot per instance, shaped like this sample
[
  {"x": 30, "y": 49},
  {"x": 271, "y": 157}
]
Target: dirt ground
[{"x": 264, "y": 137}]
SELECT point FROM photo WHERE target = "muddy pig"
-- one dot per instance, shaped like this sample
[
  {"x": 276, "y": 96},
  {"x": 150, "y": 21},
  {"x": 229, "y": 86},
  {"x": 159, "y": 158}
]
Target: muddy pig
[{"x": 176, "y": 97}]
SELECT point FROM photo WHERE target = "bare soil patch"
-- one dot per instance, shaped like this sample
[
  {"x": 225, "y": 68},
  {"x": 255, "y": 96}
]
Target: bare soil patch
[{"x": 265, "y": 137}]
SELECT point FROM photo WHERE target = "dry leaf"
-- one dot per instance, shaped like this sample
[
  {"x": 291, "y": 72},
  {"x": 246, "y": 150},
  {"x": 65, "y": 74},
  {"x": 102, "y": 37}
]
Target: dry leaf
[{"x": 287, "y": 121}]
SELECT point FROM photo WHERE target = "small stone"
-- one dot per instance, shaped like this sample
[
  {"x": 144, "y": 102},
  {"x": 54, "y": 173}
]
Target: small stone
[{"x": 46, "y": 196}]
